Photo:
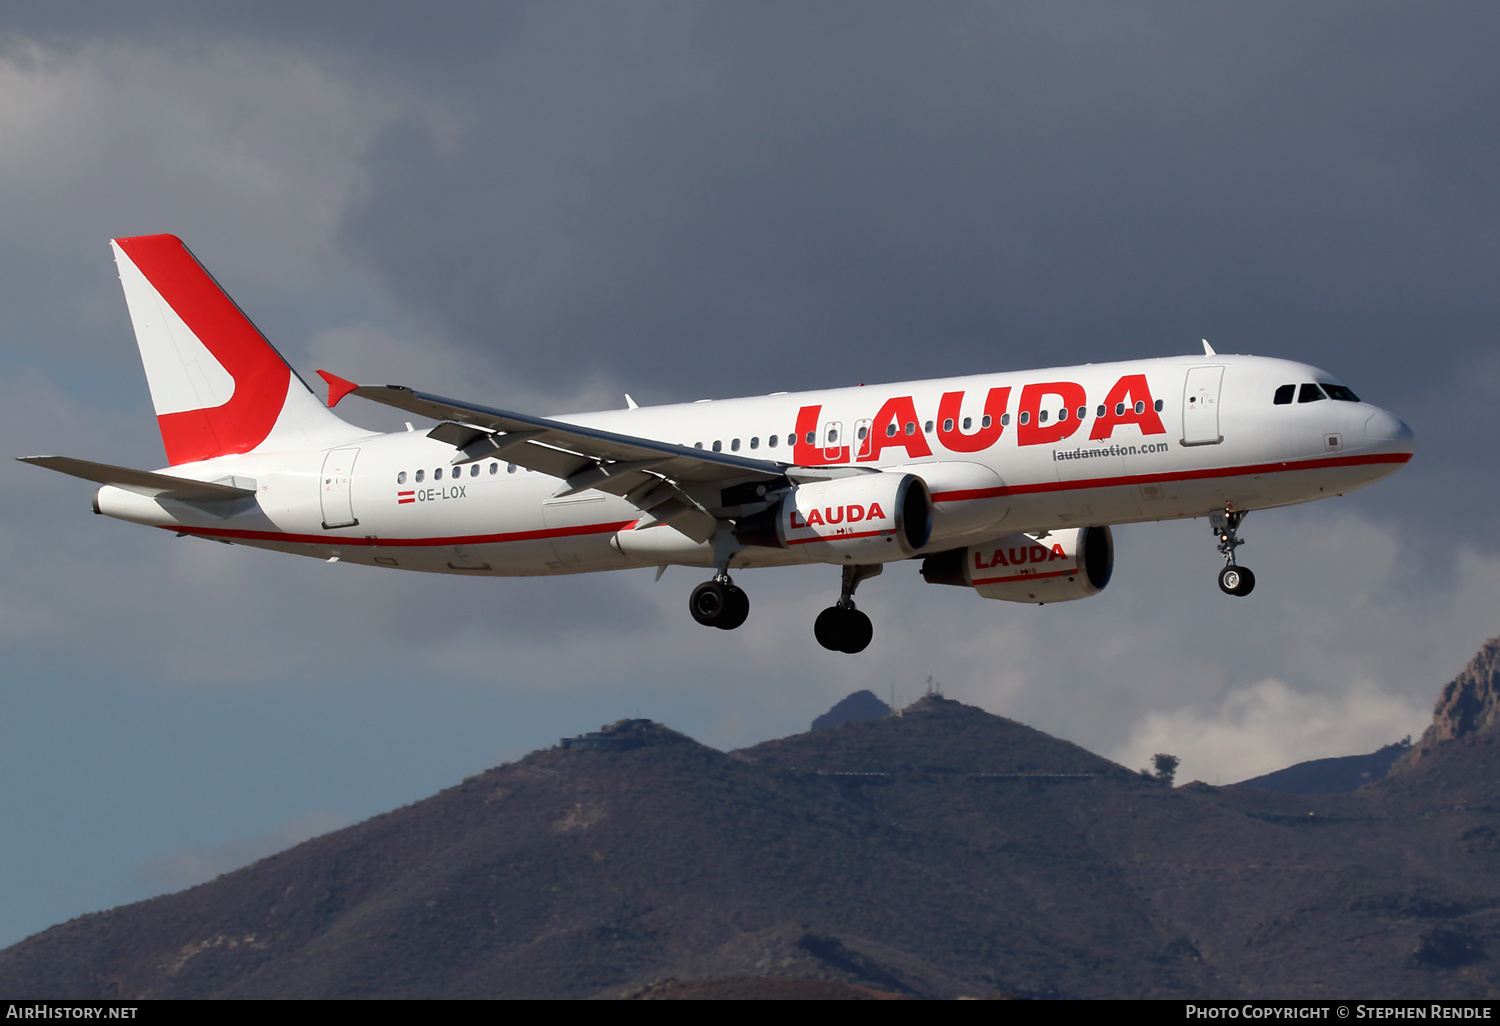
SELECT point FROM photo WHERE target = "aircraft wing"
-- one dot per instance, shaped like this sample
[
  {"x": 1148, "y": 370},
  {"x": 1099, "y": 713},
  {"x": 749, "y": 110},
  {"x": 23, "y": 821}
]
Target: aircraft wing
[
  {"x": 655, "y": 476},
  {"x": 142, "y": 482}
]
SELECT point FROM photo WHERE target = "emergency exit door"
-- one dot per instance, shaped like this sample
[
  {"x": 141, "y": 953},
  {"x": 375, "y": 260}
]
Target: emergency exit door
[{"x": 336, "y": 486}]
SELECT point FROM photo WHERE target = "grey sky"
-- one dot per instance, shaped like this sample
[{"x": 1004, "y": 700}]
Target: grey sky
[{"x": 545, "y": 205}]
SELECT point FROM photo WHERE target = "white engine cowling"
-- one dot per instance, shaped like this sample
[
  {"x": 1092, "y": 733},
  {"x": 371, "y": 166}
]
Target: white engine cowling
[
  {"x": 872, "y": 518},
  {"x": 1057, "y": 566}
]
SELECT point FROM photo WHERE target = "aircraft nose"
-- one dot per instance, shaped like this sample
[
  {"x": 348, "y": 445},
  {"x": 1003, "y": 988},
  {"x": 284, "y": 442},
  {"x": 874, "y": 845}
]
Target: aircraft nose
[{"x": 1388, "y": 433}]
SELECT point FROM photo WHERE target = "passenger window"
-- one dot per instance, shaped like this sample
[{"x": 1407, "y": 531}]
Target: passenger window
[
  {"x": 1140, "y": 406},
  {"x": 1025, "y": 417},
  {"x": 734, "y": 446},
  {"x": 1340, "y": 393},
  {"x": 1083, "y": 411},
  {"x": 494, "y": 469},
  {"x": 473, "y": 470},
  {"x": 1005, "y": 420},
  {"x": 1062, "y": 414},
  {"x": 771, "y": 441},
  {"x": 420, "y": 475},
  {"x": 510, "y": 468},
  {"x": 911, "y": 427},
  {"x": 718, "y": 446},
  {"x": 1310, "y": 393},
  {"x": 1100, "y": 413},
  {"x": 928, "y": 427},
  {"x": 860, "y": 434},
  {"x": 401, "y": 477},
  {"x": 890, "y": 431},
  {"x": 1284, "y": 395},
  {"x": 1041, "y": 416},
  {"x": 947, "y": 425},
  {"x": 755, "y": 442},
  {"x": 1158, "y": 407},
  {"x": 437, "y": 475},
  {"x": 985, "y": 421},
  {"x": 811, "y": 437},
  {"x": 968, "y": 423},
  {"x": 697, "y": 445}
]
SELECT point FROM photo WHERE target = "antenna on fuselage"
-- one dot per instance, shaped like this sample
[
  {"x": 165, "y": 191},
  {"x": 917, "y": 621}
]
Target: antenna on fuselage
[{"x": 1208, "y": 350}]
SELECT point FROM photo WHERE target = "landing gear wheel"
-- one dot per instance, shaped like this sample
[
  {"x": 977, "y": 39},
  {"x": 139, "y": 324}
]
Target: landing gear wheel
[
  {"x": 708, "y": 602},
  {"x": 735, "y": 610},
  {"x": 843, "y": 629},
  {"x": 719, "y": 604},
  {"x": 1236, "y": 580},
  {"x": 828, "y": 628},
  {"x": 858, "y": 630}
]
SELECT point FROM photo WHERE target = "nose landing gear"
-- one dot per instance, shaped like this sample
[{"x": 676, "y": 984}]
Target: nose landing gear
[
  {"x": 841, "y": 627},
  {"x": 1233, "y": 579}
]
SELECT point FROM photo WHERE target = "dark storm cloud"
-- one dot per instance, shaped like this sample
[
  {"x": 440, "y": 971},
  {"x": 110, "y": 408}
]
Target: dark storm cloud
[
  {"x": 695, "y": 195},
  {"x": 699, "y": 197}
]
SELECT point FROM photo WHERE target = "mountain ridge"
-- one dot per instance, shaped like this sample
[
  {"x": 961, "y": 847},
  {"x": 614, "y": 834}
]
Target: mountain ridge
[{"x": 942, "y": 852}]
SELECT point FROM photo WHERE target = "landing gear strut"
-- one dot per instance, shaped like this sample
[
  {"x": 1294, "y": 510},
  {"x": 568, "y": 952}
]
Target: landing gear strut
[
  {"x": 841, "y": 627},
  {"x": 719, "y": 603},
  {"x": 1233, "y": 579}
]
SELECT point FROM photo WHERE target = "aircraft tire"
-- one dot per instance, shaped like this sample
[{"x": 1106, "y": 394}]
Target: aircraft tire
[
  {"x": 1247, "y": 582},
  {"x": 858, "y": 630},
  {"x": 829, "y": 628},
  {"x": 1236, "y": 580},
  {"x": 736, "y": 609},
  {"x": 708, "y": 603}
]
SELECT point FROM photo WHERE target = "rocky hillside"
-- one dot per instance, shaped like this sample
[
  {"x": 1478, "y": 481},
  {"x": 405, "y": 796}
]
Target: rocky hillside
[
  {"x": 1469, "y": 705},
  {"x": 938, "y": 853}
]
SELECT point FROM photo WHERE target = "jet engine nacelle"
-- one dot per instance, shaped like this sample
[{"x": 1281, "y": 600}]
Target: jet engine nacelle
[
  {"x": 871, "y": 518},
  {"x": 1055, "y": 566}
]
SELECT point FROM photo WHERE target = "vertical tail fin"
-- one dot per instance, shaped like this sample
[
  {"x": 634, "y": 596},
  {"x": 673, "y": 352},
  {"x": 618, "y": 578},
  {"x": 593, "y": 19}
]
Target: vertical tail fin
[{"x": 218, "y": 386}]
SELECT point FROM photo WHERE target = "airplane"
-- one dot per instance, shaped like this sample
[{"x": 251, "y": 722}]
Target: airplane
[{"x": 1003, "y": 483}]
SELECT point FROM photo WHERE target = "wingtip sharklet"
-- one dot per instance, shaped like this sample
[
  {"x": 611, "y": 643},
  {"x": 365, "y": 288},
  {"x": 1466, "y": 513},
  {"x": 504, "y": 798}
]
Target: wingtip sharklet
[{"x": 337, "y": 387}]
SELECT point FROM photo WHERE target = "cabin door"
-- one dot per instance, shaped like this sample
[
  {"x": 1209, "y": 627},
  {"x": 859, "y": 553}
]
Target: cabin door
[{"x": 1200, "y": 406}]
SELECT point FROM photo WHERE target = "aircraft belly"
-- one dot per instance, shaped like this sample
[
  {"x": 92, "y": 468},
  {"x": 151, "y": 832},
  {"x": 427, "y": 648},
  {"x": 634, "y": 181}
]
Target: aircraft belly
[{"x": 580, "y": 528}]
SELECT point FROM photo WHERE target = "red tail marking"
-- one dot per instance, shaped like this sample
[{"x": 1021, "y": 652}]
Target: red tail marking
[{"x": 260, "y": 375}]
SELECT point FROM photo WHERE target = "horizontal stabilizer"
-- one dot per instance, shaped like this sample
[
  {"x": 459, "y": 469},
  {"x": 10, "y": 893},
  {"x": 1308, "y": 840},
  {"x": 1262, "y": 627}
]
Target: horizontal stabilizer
[{"x": 142, "y": 482}]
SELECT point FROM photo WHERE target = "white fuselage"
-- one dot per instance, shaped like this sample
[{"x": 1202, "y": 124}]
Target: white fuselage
[{"x": 1178, "y": 437}]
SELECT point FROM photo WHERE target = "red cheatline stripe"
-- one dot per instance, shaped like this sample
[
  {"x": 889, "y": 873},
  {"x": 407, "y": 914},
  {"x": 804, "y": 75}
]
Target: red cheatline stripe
[
  {"x": 837, "y": 537},
  {"x": 1021, "y": 577},
  {"x": 1185, "y": 475},
  {"x": 403, "y": 502},
  {"x": 398, "y": 543}
]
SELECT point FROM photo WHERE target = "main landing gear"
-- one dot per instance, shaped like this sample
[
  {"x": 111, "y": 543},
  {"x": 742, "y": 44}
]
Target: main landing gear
[
  {"x": 841, "y": 627},
  {"x": 719, "y": 603},
  {"x": 1233, "y": 579}
]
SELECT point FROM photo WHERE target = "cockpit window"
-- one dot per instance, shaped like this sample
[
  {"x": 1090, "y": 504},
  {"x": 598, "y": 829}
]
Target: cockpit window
[
  {"x": 1310, "y": 393},
  {"x": 1285, "y": 394},
  {"x": 1340, "y": 393}
]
